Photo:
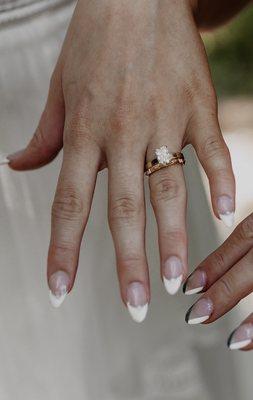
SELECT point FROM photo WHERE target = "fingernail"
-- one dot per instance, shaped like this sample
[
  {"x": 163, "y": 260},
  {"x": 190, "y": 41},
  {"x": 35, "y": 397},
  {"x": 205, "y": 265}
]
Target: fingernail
[
  {"x": 59, "y": 284},
  {"x": 195, "y": 283},
  {"x": 226, "y": 210},
  {"x": 137, "y": 302},
  {"x": 199, "y": 312},
  {"x": 15, "y": 155},
  {"x": 241, "y": 337},
  {"x": 4, "y": 160},
  {"x": 172, "y": 274}
]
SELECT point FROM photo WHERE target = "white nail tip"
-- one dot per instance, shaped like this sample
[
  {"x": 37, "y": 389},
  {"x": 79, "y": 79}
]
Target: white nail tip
[
  {"x": 199, "y": 320},
  {"x": 4, "y": 161},
  {"x": 228, "y": 219},
  {"x": 194, "y": 291},
  {"x": 240, "y": 345},
  {"x": 138, "y": 313},
  {"x": 172, "y": 285},
  {"x": 56, "y": 301}
]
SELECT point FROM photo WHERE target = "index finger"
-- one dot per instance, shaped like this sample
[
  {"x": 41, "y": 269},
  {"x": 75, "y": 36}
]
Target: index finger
[
  {"x": 222, "y": 259},
  {"x": 70, "y": 212}
]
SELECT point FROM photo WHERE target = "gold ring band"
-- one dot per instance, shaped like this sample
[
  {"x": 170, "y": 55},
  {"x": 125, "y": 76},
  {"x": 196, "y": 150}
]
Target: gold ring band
[
  {"x": 163, "y": 159},
  {"x": 158, "y": 166}
]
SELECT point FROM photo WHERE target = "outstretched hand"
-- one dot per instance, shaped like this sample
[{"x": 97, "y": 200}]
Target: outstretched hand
[{"x": 131, "y": 77}]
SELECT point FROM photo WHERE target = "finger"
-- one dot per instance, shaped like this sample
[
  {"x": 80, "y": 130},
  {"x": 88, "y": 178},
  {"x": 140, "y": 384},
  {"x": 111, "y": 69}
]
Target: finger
[
  {"x": 127, "y": 224},
  {"x": 224, "y": 294},
  {"x": 242, "y": 337},
  {"x": 215, "y": 158},
  {"x": 222, "y": 259},
  {"x": 47, "y": 139},
  {"x": 168, "y": 197},
  {"x": 70, "y": 212}
]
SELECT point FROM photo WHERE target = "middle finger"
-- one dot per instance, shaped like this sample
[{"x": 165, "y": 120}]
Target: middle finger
[{"x": 127, "y": 223}]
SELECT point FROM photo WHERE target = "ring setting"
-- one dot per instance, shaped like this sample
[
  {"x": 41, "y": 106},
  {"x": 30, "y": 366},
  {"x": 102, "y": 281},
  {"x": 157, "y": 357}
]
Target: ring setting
[
  {"x": 163, "y": 155},
  {"x": 163, "y": 159}
]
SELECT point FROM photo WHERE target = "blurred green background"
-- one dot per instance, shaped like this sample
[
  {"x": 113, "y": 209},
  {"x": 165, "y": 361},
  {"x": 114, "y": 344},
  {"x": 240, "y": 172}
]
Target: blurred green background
[{"x": 230, "y": 52}]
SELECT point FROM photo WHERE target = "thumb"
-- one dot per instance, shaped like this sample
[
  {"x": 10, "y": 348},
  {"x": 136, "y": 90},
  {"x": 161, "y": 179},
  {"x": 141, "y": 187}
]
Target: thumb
[{"x": 47, "y": 140}]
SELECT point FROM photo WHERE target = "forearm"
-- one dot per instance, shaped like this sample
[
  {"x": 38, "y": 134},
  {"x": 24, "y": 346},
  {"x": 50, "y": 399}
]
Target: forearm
[{"x": 212, "y": 13}]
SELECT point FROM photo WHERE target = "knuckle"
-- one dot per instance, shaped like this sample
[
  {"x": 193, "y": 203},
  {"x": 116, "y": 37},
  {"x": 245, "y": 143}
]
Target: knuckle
[
  {"x": 77, "y": 134},
  {"x": 213, "y": 146},
  {"x": 165, "y": 189},
  {"x": 246, "y": 228},
  {"x": 218, "y": 260},
  {"x": 125, "y": 208},
  {"x": 39, "y": 140},
  {"x": 78, "y": 121},
  {"x": 226, "y": 288},
  {"x": 130, "y": 263},
  {"x": 201, "y": 91},
  {"x": 70, "y": 87},
  {"x": 68, "y": 205},
  {"x": 64, "y": 248},
  {"x": 174, "y": 236}
]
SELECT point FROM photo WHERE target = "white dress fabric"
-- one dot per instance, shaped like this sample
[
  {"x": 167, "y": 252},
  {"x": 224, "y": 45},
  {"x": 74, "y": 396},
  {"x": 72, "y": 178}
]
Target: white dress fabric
[{"x": 89, "y": 349}]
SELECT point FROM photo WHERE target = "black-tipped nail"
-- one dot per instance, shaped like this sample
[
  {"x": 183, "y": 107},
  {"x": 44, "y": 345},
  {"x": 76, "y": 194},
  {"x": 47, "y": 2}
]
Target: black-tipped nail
[
  {"x": 230, "y": 338},
  {"x": 184, "y": 286},
  {"x": 187, "y": 315},
  {"x": 200, "y": 311}
]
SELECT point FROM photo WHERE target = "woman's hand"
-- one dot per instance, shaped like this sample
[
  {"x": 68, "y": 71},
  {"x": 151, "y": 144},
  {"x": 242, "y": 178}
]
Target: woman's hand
[
  {"x": 226, "y": 277},
  {"x": 132, "y": 76}
]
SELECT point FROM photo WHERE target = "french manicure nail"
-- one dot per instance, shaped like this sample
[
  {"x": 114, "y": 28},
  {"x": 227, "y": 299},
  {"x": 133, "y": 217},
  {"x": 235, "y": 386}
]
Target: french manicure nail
[
  {"x": 4, "y": 160},
  {"x": 59, "y": 284},
  {"x": 172, "y": 274},
  {"x": 199, "y": 312},
  {"x": 137, "y": 302},
  {"x": 15, "y": 155},
  {"x": 195, "y": 283},
  {"x": 241, "y": 337},
  {"x": 226, "y": 210}
]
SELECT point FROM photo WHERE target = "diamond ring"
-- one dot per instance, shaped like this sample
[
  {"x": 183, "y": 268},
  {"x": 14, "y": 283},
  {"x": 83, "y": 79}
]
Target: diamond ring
[{"x": 164, "y": 158}]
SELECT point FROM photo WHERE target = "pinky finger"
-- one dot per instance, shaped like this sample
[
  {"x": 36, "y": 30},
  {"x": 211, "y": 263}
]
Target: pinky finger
[
  {"x": 214, "y": 156},
  {"x": 242, "y": 337}
]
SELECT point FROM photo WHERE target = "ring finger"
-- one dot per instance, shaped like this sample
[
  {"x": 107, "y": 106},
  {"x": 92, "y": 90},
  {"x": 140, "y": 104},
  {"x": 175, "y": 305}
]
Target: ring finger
[{"x": 168, "y": 198}]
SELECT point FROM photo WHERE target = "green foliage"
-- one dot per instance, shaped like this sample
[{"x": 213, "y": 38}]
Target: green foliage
[{"x": 230, "y": 52}]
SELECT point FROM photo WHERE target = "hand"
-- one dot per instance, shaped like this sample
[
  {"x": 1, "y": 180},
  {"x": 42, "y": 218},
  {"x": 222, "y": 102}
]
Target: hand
[
  {"x": 131, "y": 77},
  {"x": 226, "y": 277}
]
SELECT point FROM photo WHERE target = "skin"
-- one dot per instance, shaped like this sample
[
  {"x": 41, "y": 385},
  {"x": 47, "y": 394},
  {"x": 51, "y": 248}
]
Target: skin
[
  {"x": 130, "y": 78},
  {"x": 229, "y": 272}
]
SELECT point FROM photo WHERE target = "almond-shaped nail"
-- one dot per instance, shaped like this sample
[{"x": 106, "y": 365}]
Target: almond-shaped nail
[
  {"x": 226, "y": 210},
  {"x": 172, "y": 274},
  {"x": 59, "y": 284},
  {"x": 137, "y": 302},
  {"x": 16, "y": 155},
  {"x": 199, "y": 312},
  {"x": 241, "y": 337},
  {"x": 195, "y": 283}
]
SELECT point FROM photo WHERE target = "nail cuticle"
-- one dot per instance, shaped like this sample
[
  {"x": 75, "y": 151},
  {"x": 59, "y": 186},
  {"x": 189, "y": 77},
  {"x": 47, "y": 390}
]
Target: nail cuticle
[
  {"x": 137, "y": 301},
  {"x": 172, "y": 274},
  {"x": 59, "y": 283}
]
